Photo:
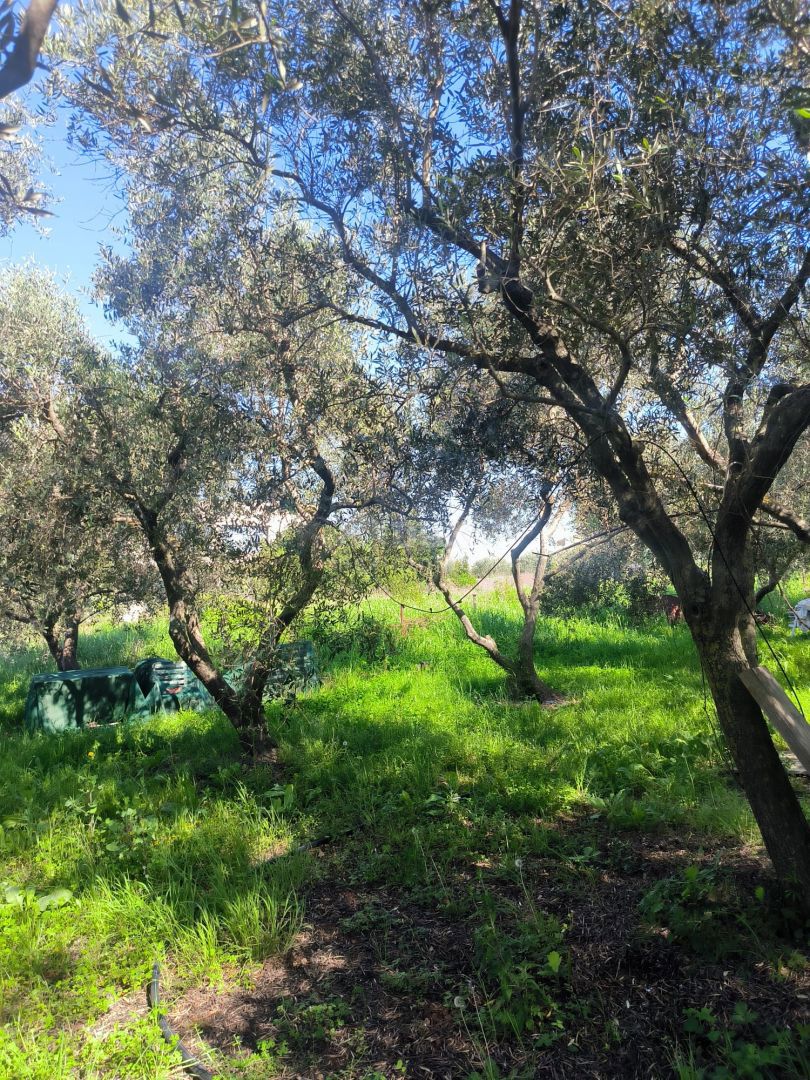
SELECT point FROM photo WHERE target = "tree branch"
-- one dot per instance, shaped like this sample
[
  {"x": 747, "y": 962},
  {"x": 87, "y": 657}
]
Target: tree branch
[
  {"x": 22, "y": 63},
  {"x": 701, "y": 260}
]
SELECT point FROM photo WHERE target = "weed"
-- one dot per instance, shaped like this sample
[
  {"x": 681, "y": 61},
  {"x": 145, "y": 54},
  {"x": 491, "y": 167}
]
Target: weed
[
  {"x": 310, "y": 1023},
  {"x": 694, "y": 907},
  {"x": 740, "y": 1048},
  {"x": 259, "y": 923},
  {"x": 518, "y": 963}
]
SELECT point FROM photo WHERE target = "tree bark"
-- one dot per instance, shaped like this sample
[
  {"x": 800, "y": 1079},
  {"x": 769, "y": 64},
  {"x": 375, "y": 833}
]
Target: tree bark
[
  {"x": 22, "y": 63},
  {"x": 63, "y": 647},
  {"x": 725, "y": 636},
  {"x": 244, "y": 707},
  {"x": 187, "y": 636},
  {"x": 526, "y": 680},
  {"x": 52, "y": 641},
  {"x": 70, "y": 646},
  {"x": 777, "y": 810}
]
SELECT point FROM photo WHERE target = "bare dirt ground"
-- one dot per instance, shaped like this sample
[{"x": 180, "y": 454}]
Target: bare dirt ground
[{"x": 380, "y": 984}]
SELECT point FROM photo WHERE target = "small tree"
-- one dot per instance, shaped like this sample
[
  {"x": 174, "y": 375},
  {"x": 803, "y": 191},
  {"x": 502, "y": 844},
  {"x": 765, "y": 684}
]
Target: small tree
[
  {"x": 479, "y": 461},
  {"x": 63, "y": 554},
  {"x": 63, "y": 558}
]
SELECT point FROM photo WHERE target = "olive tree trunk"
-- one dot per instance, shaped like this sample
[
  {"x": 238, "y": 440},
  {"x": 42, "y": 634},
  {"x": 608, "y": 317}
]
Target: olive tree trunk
[
  {"x": 523, "y": 681},
  {"x": 764, "y": 780},
  {"x": 63, "y": 645}
]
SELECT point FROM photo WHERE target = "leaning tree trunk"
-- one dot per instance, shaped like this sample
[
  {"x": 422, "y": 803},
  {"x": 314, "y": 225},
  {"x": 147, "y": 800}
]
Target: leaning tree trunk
[
  {"x": 725, "y": 635},
  {"x": 778, "y": 813},
  {"x": 189, "y": 642},
  {"x": 52, "y": 641}
]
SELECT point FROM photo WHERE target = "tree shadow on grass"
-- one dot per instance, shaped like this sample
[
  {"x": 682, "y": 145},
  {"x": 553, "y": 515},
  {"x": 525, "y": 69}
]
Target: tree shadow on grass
[{"x": 426, "y": 972}]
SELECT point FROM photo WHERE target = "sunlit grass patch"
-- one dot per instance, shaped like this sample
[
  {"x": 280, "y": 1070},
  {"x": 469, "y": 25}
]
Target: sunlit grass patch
[{"x": 163, "y": 846}]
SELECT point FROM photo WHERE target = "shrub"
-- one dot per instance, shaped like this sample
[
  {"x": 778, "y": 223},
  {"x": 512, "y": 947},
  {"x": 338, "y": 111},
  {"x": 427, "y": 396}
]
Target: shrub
[
  {"x": 362, "y": 634},
  {"x": 615, "y": 576}
]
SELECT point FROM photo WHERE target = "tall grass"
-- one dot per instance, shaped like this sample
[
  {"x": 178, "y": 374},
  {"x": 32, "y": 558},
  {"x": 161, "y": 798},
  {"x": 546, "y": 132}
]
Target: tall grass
[{"x": 161, "y": 837}]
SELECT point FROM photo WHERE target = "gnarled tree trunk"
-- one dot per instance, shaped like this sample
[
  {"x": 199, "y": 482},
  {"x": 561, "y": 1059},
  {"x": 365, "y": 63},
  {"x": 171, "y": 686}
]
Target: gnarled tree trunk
[
  {"x": 70, "y": 645},
  {"x": 762, "y": 775},
  {"x": 725, "y": 635},
  {"x": 63, "y": 645}
]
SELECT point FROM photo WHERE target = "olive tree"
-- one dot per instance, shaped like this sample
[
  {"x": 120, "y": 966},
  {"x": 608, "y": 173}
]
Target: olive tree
[
  {"x": 603, "y": 206},
  {"x": 235, "y": 436},
  {"x": 65, "y": 554},
  {"x": 478, "y": 461}
]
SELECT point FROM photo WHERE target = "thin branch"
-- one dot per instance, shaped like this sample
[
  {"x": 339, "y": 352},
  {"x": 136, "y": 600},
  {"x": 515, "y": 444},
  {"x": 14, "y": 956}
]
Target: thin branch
[
  {"x": 706, "y": 265},
  {"x": 605, "y": 328},
  {"x": 769, "y": 326}
]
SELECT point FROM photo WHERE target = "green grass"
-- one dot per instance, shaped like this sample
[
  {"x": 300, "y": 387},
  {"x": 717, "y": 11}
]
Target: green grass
[{"x": 159, "y": 836}]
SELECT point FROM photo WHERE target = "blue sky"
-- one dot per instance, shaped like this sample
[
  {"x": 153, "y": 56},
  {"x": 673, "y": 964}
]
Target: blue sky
[{"x": 87, "y": 209}]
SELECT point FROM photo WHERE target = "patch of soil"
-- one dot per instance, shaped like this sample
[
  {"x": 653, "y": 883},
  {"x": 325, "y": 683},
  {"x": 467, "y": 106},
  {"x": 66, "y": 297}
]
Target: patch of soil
[
  {"x": 121, "y": 1013},
  {"x": 376, "y": 981}
]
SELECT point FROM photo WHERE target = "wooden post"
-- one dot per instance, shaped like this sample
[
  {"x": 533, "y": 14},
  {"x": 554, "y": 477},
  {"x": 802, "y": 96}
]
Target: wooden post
[{"x": 780, "y": 710}]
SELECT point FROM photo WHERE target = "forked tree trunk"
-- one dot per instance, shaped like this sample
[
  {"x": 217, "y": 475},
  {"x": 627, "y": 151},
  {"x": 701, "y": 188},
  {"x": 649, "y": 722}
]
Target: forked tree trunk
[
  {"x": 524, "y": 682},
  {"x": 243, "y": 706},
  {"x": 52, "y": 641},
  {"x": 63, "y": 647}
]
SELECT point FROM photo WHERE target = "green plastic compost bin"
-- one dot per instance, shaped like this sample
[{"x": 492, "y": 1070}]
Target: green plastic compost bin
[
  {"x": 68, "y": 700},
  {"x": 166, "y": 686}
]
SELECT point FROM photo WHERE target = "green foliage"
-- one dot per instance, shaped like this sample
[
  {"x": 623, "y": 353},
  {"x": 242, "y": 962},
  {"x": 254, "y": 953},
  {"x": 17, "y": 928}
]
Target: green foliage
[
  {"x": 741, "y": 1047},
  {"x": 518, "y": 961},
  {"x": 163, "y": 839},
  {"x": 694, "y": 907},
  {"x": 618, "y": 577},
  {"x": 459, "y": 573},
  {"x": 361, "y": 634},
  {"x": 311, "y": 1022},
  {"x": 701, "y": 909}
]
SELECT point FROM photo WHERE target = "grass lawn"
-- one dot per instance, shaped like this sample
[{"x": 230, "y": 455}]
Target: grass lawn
[{"x": 508, "y": 892}]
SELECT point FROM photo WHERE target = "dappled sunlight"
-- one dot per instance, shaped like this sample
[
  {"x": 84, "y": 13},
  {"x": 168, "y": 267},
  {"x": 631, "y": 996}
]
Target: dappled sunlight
[{"x": 417, "y": 769}]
